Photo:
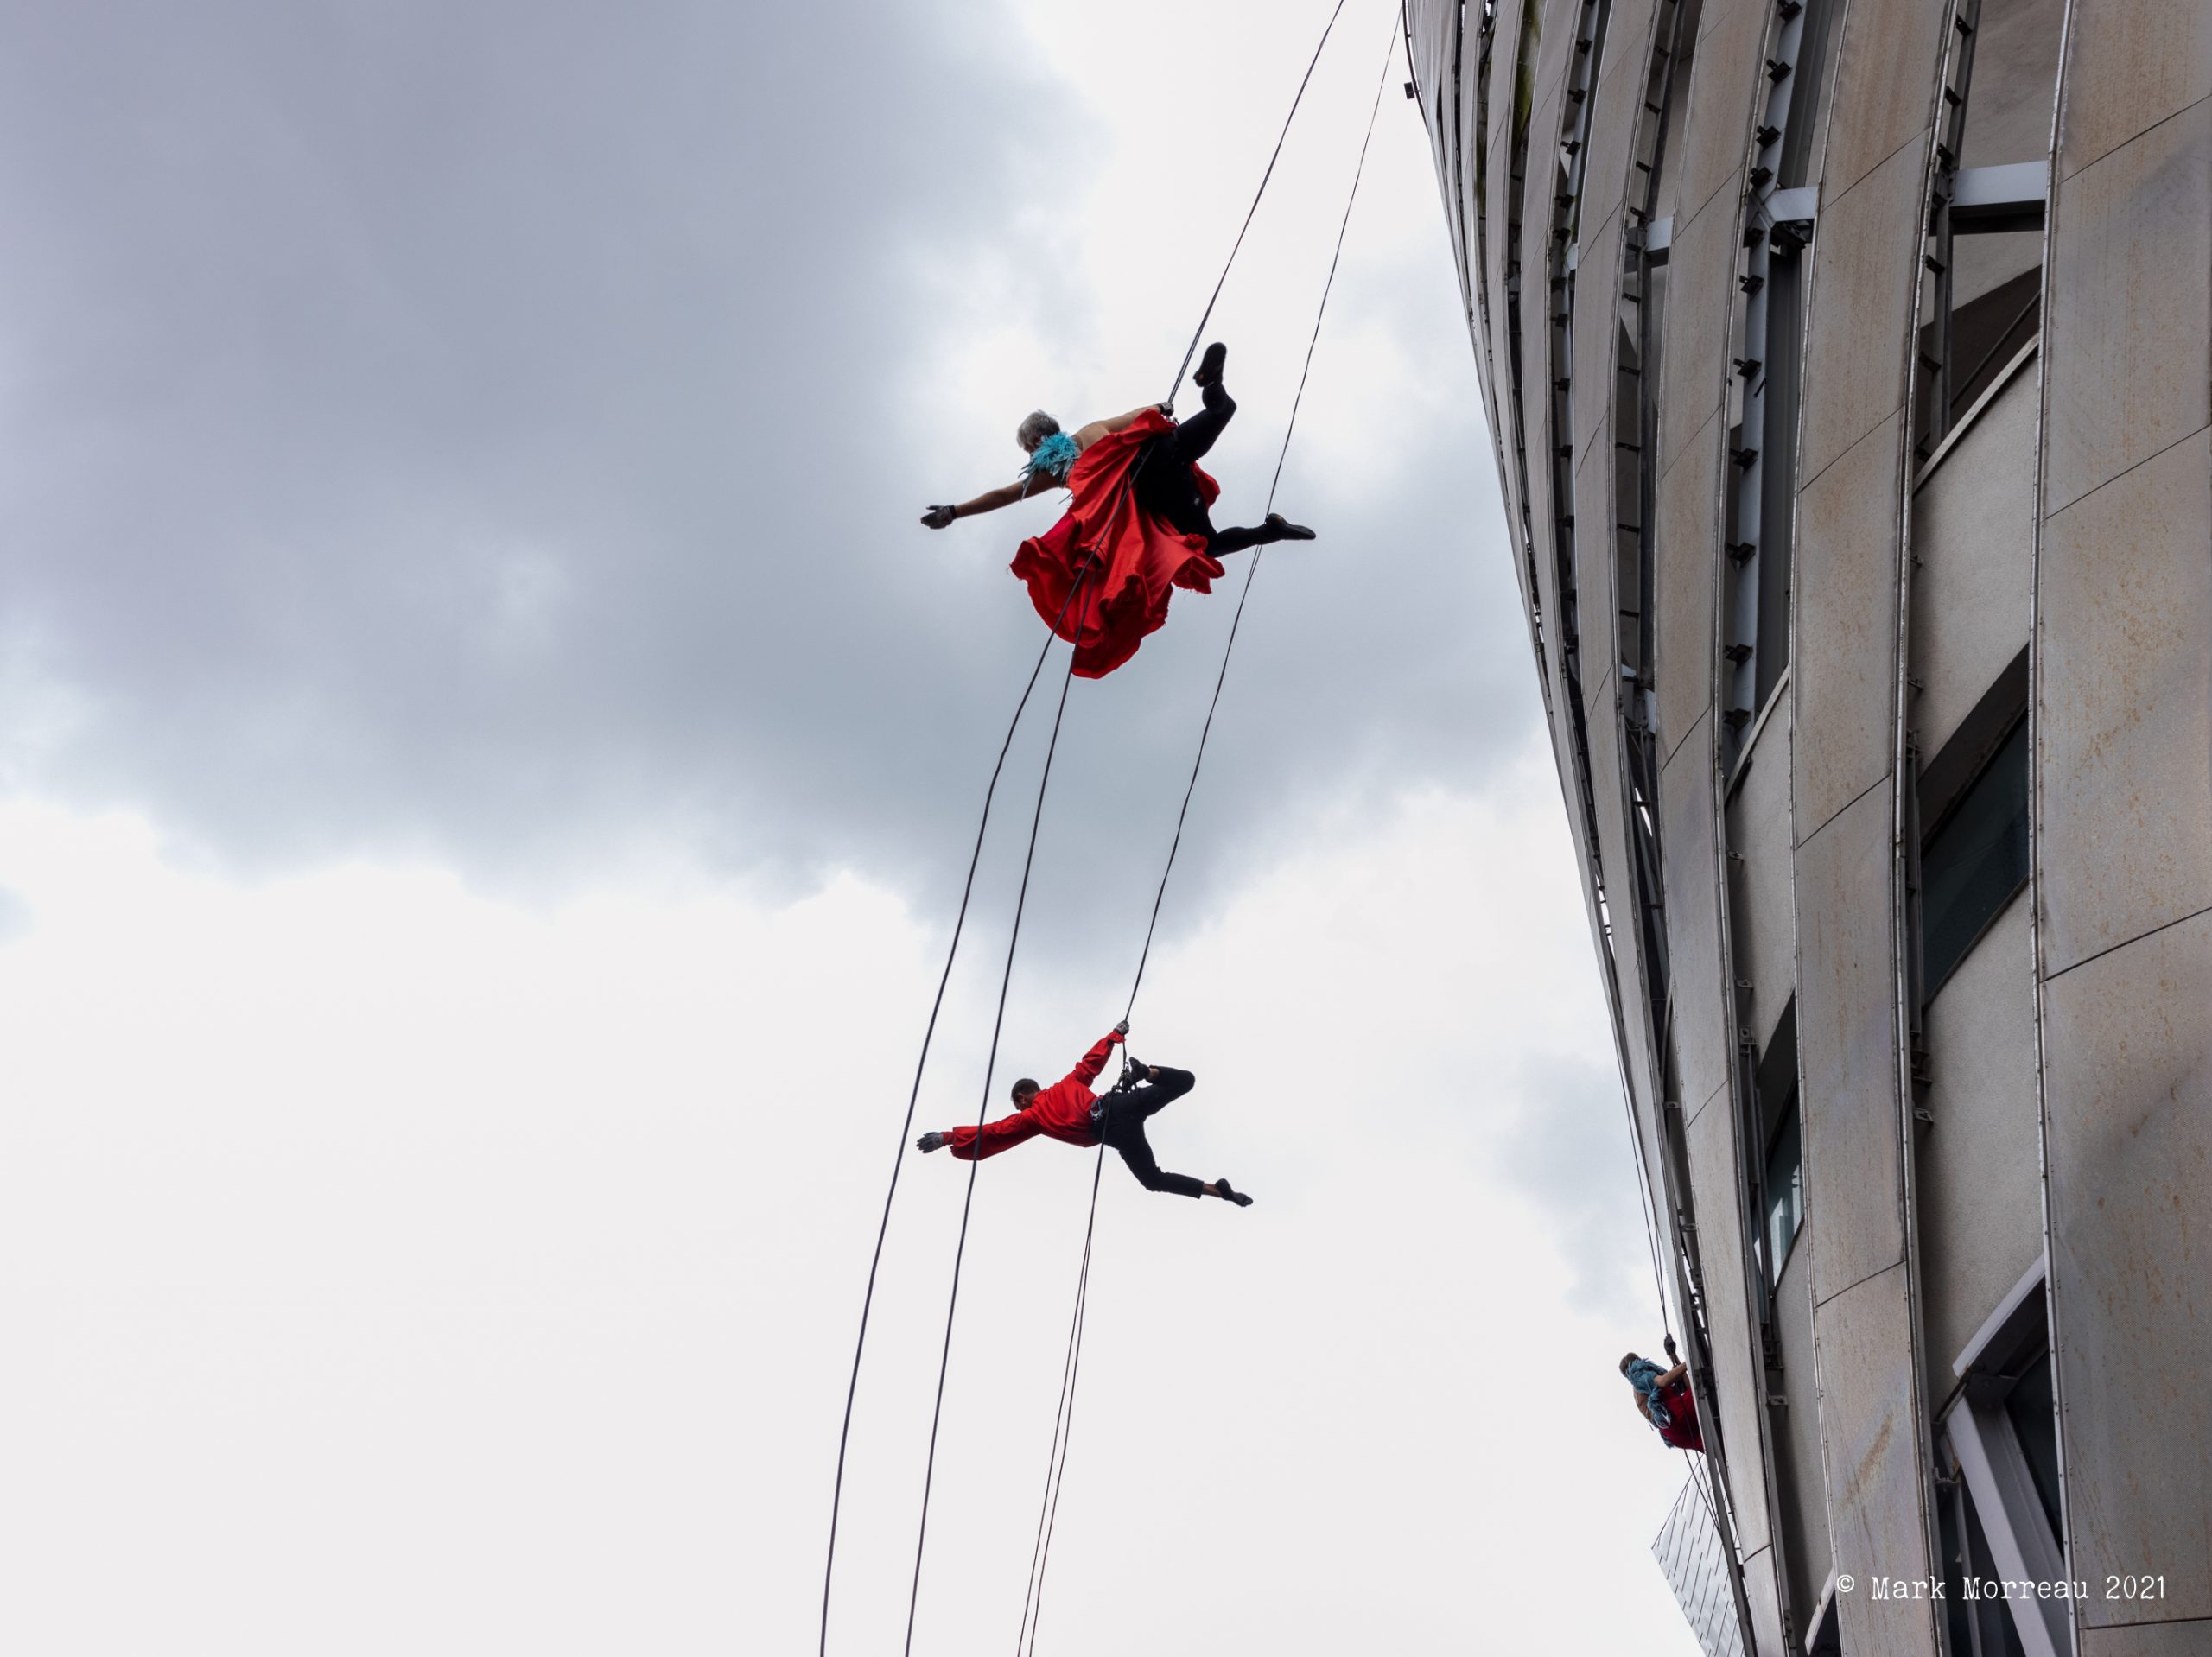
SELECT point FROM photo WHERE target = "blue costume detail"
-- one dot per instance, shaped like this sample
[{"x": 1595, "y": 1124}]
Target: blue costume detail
[
  {"x": 1050, "y": 460},
  {"x": 1644, "y": 1375}
]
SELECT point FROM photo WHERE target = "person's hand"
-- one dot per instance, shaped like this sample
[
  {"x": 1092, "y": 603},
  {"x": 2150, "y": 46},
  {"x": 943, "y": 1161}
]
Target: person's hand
[
  {"x": 1167, "y": 409},
  {"x": 1120, "y": 1030},
  {"x": 939, "y": 518},
  {"x": 1668, "y": 1342},
  {"x": 931, "y": 1141}
]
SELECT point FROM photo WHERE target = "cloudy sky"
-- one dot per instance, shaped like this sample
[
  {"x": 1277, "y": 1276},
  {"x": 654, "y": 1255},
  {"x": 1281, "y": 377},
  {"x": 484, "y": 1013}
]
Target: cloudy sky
[{"x": 487, "y": 761}]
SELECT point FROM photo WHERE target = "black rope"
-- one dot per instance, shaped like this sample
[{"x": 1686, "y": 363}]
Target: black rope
[
  {"x": 1326, "y": 287},
  {"x": 967, "y": 1204},
  {"x": 875, "y": 1261},
  {"x": 1197, "y": 335},
  {"x": 1252, "y": 569},
  {"x": 1041, "y": 1550},
  {"x": 1056, "y": 1477}
]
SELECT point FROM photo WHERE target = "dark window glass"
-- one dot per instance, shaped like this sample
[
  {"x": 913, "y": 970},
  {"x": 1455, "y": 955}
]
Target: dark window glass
[
  {"x": 1974, "y": 863},
  {"x": 1980, "y": 1625},
  {"x": 2031, "y": 1406},
  {"x": 1785, "y": 1192},
  {"x": 1785, "y": 317}
]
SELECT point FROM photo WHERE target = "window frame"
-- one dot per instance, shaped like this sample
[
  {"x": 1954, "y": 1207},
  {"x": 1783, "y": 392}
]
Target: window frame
[
  {"x": 1943, "y": 787},
  {"x": 1985, "y": 1448}
]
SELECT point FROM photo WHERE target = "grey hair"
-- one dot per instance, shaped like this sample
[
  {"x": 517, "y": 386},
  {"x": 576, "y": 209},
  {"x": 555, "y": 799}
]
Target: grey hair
[{"x": 1035, "y": 429}]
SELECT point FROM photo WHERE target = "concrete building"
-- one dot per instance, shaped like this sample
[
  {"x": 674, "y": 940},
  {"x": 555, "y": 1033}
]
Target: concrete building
[{"x": 1849, "y": 365}]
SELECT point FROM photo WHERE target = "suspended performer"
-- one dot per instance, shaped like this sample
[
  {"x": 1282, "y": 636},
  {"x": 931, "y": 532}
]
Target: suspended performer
[
  {"x": 1664, "y": 1399},
  {"x": 1069, "y": 1111},
  {"x": 1137, "y": 525}
]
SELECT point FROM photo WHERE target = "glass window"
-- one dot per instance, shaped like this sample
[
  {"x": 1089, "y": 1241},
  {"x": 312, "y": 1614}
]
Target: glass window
[
  {"x": 1975, "y": 862},
  {"x": 1785, "y": 1190},
  {"x": 2032, "y": 1406},
  {"x": 1983, "y": 1626}
]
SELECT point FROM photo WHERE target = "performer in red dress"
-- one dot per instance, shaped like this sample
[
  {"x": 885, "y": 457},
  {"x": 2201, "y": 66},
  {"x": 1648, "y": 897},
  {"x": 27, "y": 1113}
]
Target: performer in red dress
[{"x": 1137, "y": 528}]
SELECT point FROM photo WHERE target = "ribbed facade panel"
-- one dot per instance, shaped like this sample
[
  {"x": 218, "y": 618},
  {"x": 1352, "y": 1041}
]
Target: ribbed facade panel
[{"x": 1849, "y": 366}]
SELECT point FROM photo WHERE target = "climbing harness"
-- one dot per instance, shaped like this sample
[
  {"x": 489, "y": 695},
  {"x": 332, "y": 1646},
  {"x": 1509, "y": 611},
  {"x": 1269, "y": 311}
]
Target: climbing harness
[{"x": 1056, "y": 1462}]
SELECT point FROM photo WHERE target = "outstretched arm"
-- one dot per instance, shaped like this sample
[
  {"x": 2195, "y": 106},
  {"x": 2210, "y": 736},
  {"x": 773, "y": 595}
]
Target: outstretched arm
[
  {"x": 1088, "y": 1067},
  {"x": 1097, "y": 428},
  {"x": 992, "y": 1137},
  {"x": 989, "y": 501}
]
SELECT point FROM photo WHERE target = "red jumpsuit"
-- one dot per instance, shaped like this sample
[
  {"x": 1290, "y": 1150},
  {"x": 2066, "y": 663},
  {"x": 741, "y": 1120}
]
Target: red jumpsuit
[
  {"x": 1061, "y": 1111},
  {"x": 1135, "y": 557},
  {"x": 1681, "y": 1410}
]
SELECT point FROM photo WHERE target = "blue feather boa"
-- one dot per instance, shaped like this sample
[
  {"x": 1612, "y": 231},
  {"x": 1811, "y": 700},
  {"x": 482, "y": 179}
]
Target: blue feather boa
[{"x": 1050, "y": 460}]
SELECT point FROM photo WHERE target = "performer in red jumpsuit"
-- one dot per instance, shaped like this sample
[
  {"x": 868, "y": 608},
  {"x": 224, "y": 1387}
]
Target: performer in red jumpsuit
[
  {"x": 1137, "y": 525},
  {"x": 1069, "y": 1111},
  {"x": 1664, "y": 1399}
]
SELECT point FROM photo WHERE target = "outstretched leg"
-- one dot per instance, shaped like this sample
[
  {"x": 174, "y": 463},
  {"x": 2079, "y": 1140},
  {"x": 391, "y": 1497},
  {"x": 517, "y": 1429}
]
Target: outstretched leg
[
  {"x": 1128, "y": 1138},
  {"x": 1124, "y": 1131},
  {"x": 1277, "y": 528}
]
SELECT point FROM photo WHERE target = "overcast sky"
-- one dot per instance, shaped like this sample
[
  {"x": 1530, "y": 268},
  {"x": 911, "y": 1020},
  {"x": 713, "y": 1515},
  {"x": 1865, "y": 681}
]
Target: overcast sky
[{"x": 487, "y": 760}]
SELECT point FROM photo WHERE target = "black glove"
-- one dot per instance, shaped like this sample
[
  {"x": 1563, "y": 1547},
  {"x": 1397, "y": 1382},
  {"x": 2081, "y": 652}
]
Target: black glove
[
  {"x": 932, "y": 1142},
  {"x": 1122, "y": 1028},
  {"x": 1669, "y": 1342},
  {"x": 1166, "y": 409},
  {"x": 939, "y": 518}
]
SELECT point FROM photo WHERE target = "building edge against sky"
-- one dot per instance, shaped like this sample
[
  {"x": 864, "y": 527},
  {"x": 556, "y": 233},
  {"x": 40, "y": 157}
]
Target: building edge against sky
[{"x": 1849, "y": 368}]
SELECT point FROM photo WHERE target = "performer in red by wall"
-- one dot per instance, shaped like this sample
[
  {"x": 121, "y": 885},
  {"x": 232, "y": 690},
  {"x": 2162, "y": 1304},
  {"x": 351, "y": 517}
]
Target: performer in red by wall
[
  {"x": 1069, "y": 1111},
  {"x": 1664, "y": 1399},
  {"x": 1137, "y": 526}
]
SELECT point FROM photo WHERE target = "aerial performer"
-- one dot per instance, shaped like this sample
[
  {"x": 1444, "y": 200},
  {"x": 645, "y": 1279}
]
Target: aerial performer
[
  {"x": 1069, "y": 1111},
  {"x": 1136, "y": 526},
  {"x": 1663, "y": 1398}
]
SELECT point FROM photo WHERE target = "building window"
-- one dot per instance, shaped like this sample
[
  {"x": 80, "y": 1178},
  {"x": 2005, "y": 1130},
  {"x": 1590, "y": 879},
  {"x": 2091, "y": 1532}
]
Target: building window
[
  {"x": 1999, "y": 1462},
  {"x": 1778, "y": 1203},
  {"x": 1976, "y": 859},
  {"x": 1785, "y": 1190}
]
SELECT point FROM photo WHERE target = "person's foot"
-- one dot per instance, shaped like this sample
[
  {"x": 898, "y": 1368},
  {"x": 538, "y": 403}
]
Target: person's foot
[
  {"x": 1287, "y": 530},
  {"x": 1209, "y": 366},
  {"x": 1233, "y": 1194}
]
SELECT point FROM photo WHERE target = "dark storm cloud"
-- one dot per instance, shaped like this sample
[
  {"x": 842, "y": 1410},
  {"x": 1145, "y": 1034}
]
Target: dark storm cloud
[{"x": 463, "y": 428}]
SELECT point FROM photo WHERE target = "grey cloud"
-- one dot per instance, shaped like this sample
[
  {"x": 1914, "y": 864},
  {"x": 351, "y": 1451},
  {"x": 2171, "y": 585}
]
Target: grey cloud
[{"x": 484, "y": 430}]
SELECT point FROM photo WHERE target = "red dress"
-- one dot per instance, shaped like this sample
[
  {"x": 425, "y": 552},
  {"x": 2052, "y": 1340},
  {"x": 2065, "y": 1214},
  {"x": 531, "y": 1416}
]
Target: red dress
[
  {"x": 1682, "y": 1409},
  {"x": 1133, "y": 558}
]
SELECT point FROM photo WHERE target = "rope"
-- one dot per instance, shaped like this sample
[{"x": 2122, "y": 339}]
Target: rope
[
  {"x": 1056, "y": 1468},
  {"x": 1199, "y": 332},
  {"x": 1041, "y": 1550},
  {"x": 875, "y": 1261},
  {"x": 1252, "y": 569},
  {"x": 967, "y": 1204},
  {"x": 1048, "y": 1508}
]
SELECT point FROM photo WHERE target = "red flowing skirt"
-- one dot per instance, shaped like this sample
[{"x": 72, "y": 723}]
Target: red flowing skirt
[{"x": 1128, "y": 559}]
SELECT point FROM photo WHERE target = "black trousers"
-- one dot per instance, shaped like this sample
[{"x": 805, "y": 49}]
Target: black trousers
[
  {"x": 1123, "y": 1128},
  {"x": 1165, "y": 487}
]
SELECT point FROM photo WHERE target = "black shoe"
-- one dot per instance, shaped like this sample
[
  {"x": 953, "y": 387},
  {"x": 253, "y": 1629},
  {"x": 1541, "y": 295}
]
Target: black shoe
[
  {"x": 1287, "y": 530},
  {"x": 1209, "y": 366},
  {"x": 1235, "y": 1197}
]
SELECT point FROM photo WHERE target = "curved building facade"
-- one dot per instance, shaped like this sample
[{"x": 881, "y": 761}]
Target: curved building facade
[{"x": 1849, "y": 368}]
